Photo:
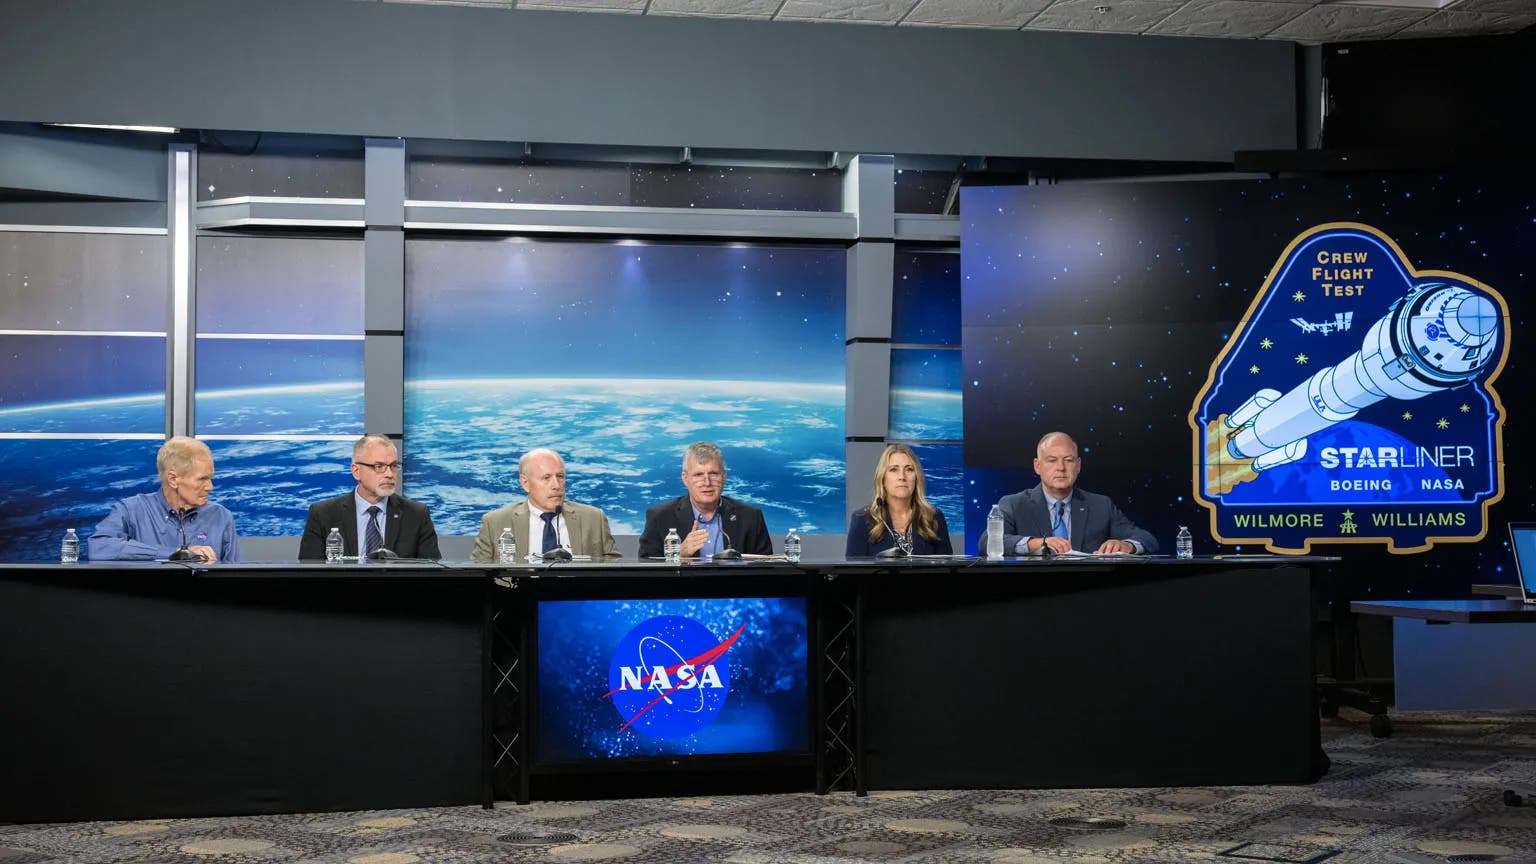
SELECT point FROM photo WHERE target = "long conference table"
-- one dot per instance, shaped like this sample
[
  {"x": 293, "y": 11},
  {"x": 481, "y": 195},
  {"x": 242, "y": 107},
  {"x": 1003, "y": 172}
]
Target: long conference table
[{"x": 166, "y": 690}]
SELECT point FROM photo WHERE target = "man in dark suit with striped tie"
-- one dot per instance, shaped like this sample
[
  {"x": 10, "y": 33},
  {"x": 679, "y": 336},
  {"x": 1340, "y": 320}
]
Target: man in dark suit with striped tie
[
  {"x": 373, "y": 511},
  {"x": 1057, "y": 517}
]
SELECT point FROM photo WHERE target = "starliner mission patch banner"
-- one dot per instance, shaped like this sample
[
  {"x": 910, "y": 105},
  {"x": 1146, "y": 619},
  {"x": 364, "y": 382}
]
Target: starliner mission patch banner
[{"x": 1355, "y": 402}]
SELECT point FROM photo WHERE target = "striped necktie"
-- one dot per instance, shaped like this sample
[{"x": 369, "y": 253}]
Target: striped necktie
[{"x": 373, "y": 539}]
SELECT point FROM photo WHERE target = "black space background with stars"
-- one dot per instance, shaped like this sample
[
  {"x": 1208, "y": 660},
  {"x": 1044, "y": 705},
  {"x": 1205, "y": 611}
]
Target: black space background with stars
[{"x": 1098, "y": 309}]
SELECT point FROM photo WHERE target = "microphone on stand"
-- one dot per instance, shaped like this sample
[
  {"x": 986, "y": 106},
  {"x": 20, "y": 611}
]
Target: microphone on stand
[
  {"x": 182, "y": 553},
  {"x": 383, "y": 553},
  {"x": 729, "y": 553}
]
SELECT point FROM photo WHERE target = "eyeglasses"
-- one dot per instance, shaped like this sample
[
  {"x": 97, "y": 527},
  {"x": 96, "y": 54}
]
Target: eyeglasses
[{"x": 381, "y": 467}]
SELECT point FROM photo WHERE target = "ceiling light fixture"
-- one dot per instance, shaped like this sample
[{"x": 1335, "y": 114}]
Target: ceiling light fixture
[{"x": 165, "y": 130}]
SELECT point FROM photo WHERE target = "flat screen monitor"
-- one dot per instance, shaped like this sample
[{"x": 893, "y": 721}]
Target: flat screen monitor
[
  {"x": 648, "y": 679},
  {"x": 1522, "y": 539}
]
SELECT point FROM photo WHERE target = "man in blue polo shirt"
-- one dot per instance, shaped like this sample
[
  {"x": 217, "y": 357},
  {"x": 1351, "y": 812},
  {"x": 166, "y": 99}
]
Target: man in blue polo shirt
[{"x": 153, "y": 525}]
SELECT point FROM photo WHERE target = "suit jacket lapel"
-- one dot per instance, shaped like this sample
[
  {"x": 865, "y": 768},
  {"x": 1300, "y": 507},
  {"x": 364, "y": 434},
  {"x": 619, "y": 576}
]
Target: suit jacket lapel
[
  {"x": 573, "y": 528},
  {"x": 1079, "y": 521},
  {"x": 520, "y": 529},
  {"x": 1039, "y": 521},
  {"x": 347, "y": 511},
  {"x": 730, "y": 535},
  {"x": 394, "y": 515},
  {"x": 684, "y": 513}
]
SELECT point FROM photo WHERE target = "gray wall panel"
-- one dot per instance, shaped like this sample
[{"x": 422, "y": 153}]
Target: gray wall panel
[
  {"x": 59, "y": 162},
  {"x": 388, "y": 69},
  {"x": 384, "y": 384}
]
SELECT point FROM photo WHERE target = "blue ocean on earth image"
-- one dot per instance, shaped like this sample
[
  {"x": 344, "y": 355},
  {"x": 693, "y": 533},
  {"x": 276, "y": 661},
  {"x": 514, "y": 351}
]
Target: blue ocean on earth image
[
  {"x": 944, "y": 478},
  {"x": 622, "y": 441},
  {"x": 269, "y": 485},
  {"x": 618, "y": 355},
  {"x": 50, "y": 485},
  {"x": 332, "y": 408},
  {"x": 925, "y": 395},
  {"x": 925, "y": 415},
  {"x": 143, "y": 413}
]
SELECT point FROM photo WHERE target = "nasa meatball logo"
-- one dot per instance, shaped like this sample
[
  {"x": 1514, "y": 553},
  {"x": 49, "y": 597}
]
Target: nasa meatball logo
[
  {"x": 1355, "y": 402},
  {"x": 668, "y": 677}
]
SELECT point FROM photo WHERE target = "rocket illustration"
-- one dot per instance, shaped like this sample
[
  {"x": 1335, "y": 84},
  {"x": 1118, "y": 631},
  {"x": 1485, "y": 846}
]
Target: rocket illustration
[{"x": 1436, "y": 337}]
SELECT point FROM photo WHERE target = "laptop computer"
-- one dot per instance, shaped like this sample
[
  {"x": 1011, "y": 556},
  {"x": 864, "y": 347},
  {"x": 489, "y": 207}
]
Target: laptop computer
[{"x": 1522, "y": 538}]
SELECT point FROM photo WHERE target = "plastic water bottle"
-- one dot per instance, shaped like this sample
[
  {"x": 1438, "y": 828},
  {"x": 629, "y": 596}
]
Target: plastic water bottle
[
  {"x": 673, "y": 547},
  {"x": 792, "y": 546},
  {"x": 506, "y": 547},
  {"x": 334, "y": 547},
  {"x": 1184, "y": 546},
  {"x": 995, "y": 532},
  {"x": 69, "y": 553}
]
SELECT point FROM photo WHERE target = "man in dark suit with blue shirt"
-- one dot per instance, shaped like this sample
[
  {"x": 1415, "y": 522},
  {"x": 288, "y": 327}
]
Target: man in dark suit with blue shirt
[
  {"x": 373, "y": 512},
  {"x": 1057, "y": 517},
  {"x": 707, "y": 522}
]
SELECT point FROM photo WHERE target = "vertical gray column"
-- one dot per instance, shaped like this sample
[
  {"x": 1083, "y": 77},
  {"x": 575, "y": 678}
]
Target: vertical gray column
[
  {"x": 869, "y": 192},
  {"x": 181, "y": 341},
  {"x": 384, "y": 287}
]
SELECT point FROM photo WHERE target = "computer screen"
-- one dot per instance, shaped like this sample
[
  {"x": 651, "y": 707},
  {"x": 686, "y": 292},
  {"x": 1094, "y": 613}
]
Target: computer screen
[
  {"x": 622, "y": 679},
  {"x": 1522, "y": 538}
]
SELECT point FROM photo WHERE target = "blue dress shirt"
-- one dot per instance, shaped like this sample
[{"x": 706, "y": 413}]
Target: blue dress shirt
[
  {"x": 362, "y": 519},
  {"x": 712, "y": 525},
  {"x": 143, "y": 528}
]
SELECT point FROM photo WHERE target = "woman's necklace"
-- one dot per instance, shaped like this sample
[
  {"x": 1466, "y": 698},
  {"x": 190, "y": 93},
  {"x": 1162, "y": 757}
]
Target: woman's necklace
[{"x": 903, "y": 538}]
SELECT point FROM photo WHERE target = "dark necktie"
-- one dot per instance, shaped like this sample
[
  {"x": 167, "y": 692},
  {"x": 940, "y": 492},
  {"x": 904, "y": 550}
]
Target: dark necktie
[
  {"x": 373, "y": 539},
  {"x": 551, "y": 537},
  {"x": 1059, "y": 524}
]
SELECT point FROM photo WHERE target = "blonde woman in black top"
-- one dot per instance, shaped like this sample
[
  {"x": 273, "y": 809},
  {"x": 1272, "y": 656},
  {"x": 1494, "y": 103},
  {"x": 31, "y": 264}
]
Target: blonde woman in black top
[{"x": 899, "y": 516}]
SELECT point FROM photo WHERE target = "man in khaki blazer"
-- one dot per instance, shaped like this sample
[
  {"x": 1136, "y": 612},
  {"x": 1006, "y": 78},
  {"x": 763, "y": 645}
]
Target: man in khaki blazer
[{"x": 546, "y": 520}]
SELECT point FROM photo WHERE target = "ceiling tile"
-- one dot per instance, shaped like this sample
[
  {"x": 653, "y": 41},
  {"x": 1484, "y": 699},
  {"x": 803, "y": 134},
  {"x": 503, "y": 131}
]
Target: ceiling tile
[
  {"x": 865, "y": 11},
  {"x": 1337, "y": 23},
  {"x": 1121, "y": 16},
  {"x": 1453, "y": 23},
  {"x": 716, "y": 8},
  {"x": 1012, "y": 14},
  {"x": 1228, "y": 19}
]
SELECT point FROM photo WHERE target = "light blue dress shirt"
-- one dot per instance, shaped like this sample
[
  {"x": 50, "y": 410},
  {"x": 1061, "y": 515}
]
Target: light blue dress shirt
[
  {"x": 144, "y": 528},
  {"x": 712, "y": 545},
  {"x": 362, "y": 520}
]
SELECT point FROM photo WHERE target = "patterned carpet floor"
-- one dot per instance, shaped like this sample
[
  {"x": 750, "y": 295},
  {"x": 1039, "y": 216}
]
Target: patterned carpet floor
[{"x": 1433, "y": 792}]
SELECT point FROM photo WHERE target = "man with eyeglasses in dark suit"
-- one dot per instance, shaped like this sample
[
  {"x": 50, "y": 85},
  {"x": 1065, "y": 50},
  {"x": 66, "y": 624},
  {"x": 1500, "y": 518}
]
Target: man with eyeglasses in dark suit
[{"x": 373, "y": 511}]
